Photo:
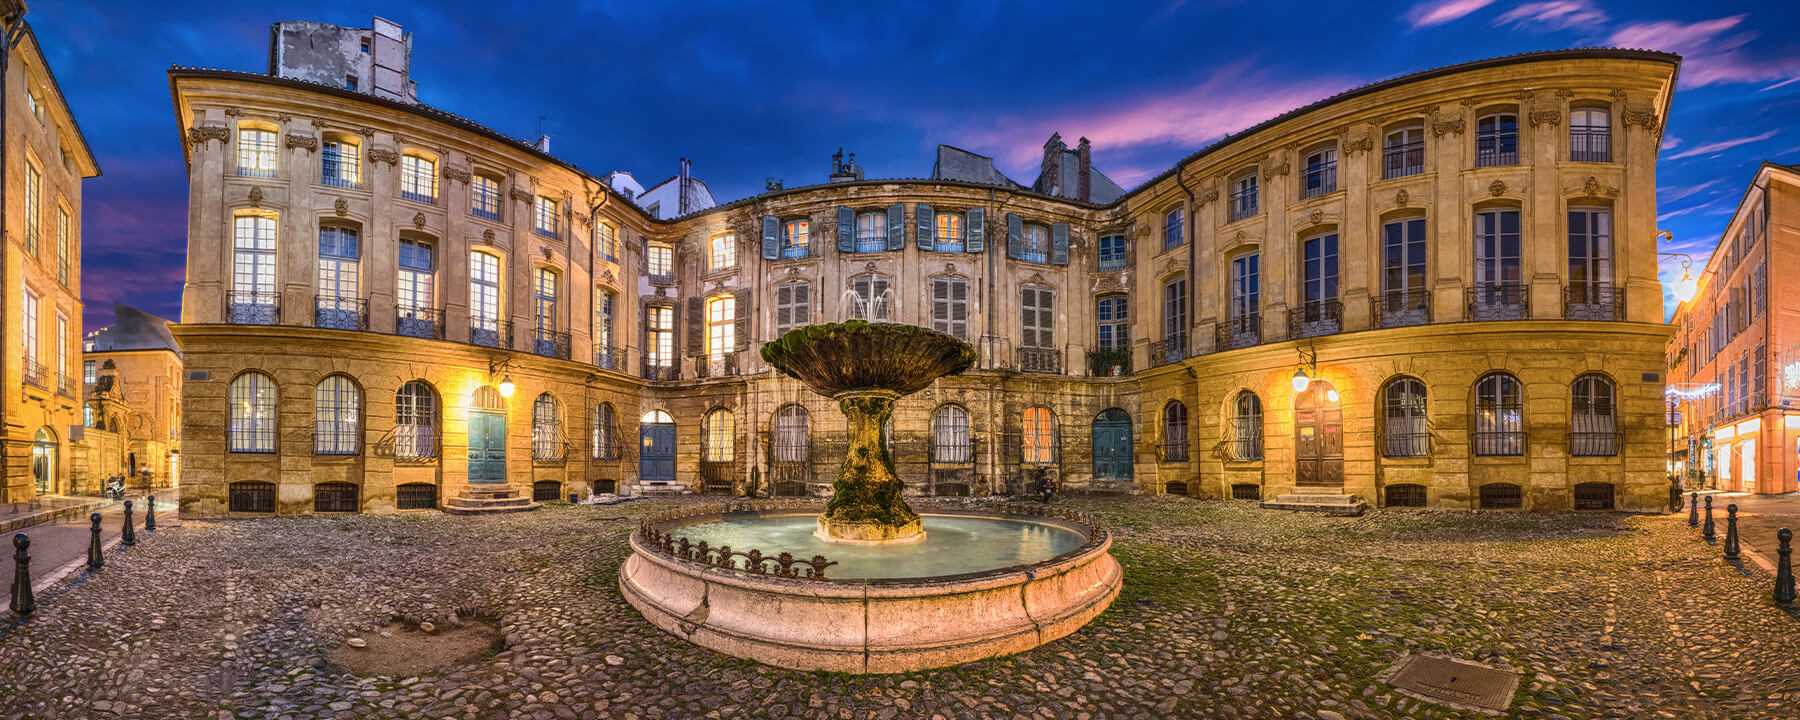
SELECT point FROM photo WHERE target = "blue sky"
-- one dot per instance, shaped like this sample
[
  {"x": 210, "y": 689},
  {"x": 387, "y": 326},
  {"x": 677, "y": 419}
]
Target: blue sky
[{"x": 753, "y": 90}]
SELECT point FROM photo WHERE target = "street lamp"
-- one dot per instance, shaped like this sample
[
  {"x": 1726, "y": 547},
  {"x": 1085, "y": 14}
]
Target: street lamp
[
  {"x": 506, "y": 384},
  {"x": 1309, "y": 366}
]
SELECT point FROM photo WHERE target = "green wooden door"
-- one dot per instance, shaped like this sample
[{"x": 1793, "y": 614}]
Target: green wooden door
[
  {"x": 1112, "y": 446},
  {"x": 487, "y": 447}
]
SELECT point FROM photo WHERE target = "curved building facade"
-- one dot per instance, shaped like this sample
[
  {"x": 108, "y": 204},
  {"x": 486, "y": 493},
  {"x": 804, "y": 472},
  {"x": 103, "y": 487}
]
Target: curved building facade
[{"x": 1460, "y": 264}]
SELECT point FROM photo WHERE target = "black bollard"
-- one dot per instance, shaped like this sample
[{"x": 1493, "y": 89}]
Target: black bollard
[
  {"x": 129, "y": 538},
  {"x": 1706, "y": 531},
  {"x": 1694, "y": 509},
  {"x": 1784, "y": 570},
  {"x": 1731, "y": 537},
  {"x": 96, "y": 558},
  {"x": 23, "y": 602},
  {"x": 573, "y": 498},
  {"x": 150, "y": 513}
]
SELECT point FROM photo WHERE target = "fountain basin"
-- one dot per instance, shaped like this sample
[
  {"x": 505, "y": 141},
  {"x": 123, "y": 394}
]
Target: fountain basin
[{"x": 873, "y": 624}]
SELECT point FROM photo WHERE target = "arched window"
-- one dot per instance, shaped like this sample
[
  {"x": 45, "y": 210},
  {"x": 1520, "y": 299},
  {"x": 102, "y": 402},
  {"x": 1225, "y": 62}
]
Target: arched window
[
  {"x": 1244, "y": 196},
  {"x": 720, "y": 437},
  {"x": 791, "y": 445},
  {"x": 252, "y": 414},
  {"x": 1245, "y": 444},
  {"x": 415, "y": 421},
  {"x": 1590, "y": 134},
  {"x": 336, "y": 410},
  {"x": 1175, "y": 432},
  {"x": 257, "y": 151},
  {"x": 1404, "y": 427},
  {"x": 606, "y": 444},
  {"x": 1499, "y": 416},
  {"x": 1320, "y": 171},
  {"x": 1593, "y": 432},
  {"x": 1497, "y": 140},
  {"x": 950, "y": 435},
  {"x": 657, "y": 417},
  {"x": 546, "y": 428},
  {"x": 339, "y": 161},
  {"x": 418, "y": 178},
  {"x": 1039, "y": 430}
]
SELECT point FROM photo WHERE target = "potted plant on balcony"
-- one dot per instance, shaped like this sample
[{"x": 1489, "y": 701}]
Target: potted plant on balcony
[{"x": 1108, "y": 362}]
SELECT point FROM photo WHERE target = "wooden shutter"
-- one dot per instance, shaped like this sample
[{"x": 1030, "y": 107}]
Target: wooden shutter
[
  {"x": 896, "y": 226},
  {"x": 940, "y": 304},
  {"x": 975, "y": 224},
  {"x": 1059, "y": 244},
  {"x": 802, "y": 299},
  {"x": 696, "y": 326},
  {"x": 1046, "y": 312},
  {"x": 846, "y": 230},
  {"x": 771, "y": 237},
  {"x": 1015, "y": 236},
  {"x": 1028, "y": 317},
  {"x": 741, "y": 300},
  {"x": 784, "y": 300},
  {"x": 959, "y": 308},
  {"x": 927, "y": 219}
]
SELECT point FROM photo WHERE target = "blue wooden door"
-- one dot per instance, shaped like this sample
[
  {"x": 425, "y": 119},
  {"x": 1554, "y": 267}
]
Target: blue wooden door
[
  {"x": 656, "y": 461},
  {"x": 487, "y": 447},
  {"x": 1112, "y": 446}
]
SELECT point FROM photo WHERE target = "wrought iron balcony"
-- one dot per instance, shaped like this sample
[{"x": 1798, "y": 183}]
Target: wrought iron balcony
[
  {"x": 663, "y": 277},
  {"x": 254, "y": 308},
  {"x": 609, "y": 358},
  {"x": 65, "y": 386},
  {"x": 1401, "y": 308},
  {"x": 1403, "y": 159},
  {"x": 1239, "y": 332},
  {"x": 550, "y": 343},
  {"x": 716, "y": 366},
  {"x": 482, "y": 212},
  {"x": 1040, "y": 360},
  {"x": 490, "y": 333},
  {"x": 1593, "y": 301},
  {"x": 658, "y": 368},
  {"x": 1243, "y": 204},
  {"x": 1169, "y": 350},
  {"x": 1498, "y": 301},
  {"x": 1319, "y": 180},
  {"x": 418, "y": 197},
  {"x": 37, "y": 374},
  {"x": 953, "y": 451},
  {"x": 340, "y": 313},
  {"x": 1590, "y": 145},
  {"x": 1594, "y": 444},
  {"x": 1323, "y": 317},
  {"x": 419, "y": 321}
]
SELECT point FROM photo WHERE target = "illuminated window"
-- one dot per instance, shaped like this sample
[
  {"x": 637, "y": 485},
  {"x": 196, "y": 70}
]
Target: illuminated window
[
  {"x": 659, "y": 323},
  {"x": 251, "y": 426},
  {"x": 605, "y": 308},
  {"x": 62, "y": 246},
  {"x": 1246, "y": 429},
  {"x": 253, "y": 298},
  {"x": 950, "y": 435},
  {"x": 871, "y": 232},
  {"x": 33, "y": 213},
  {"x": 1499, "y": 416},
  {"x": 256, "y": 153},
  {"x": 949, "y": 233},
  {"x": 720, "y": 445},
  {"x": 662, "y": 262},
  {"x": 721, "y": 325},
  {"x": 336, "y": 410},
  {"x": 339, "y": 164},
  {"x": 484, "y": 200},
  {"x": 722, "y": 252},
  {"x": 606, "y": 241},
  {"x": 605, "y": 440},
  {"x": 544, "y": 300},
  {"x": 413, "y": 298},
  {"x": 418, "y": 178},
  {"x": 415, "y": 421},
  {"x": 1039, "y": 435},
  {"x": 30, "y": 310},
  {"x": 544, "y": 219},
  {"x": 339, "y": 302},
  {"x": 484, "y": 300},
  {"x": 546, "y": 429},
  {"x": 1405, "y": 429},
  {"x": 795, "y": 239}
]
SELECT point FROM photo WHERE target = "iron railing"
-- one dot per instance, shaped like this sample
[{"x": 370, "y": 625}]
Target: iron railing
[
  {"x": 37, "y": 374},
  {"x": 418, "y": 197},
  {"x": 550, "y": 343},
  {"x": 1401, "y": 308},
  {"x": 415, "y": 443},
  {"x": 654, "y": 369},
  {"x": 953, "y": 450},
  {"x": 254, "y": 308},
  {"x": 716, "y": 366},
  {"x": 65, "y": 386},
  {"x": 1406, "y": 443},
  {"x": 1243, "y": 204},
  {"x": 490, "y": 333},
  {"x": 1590, "y": 145},
  {"x": 607, "y": 449},
  {"x": 1403, "y": 159},
  {"x": 336, "y": 441},
  {"x": 1498, "y": 301},
  {"x": 250, "y": 497},
  {"x": 251, "y": 172},
  {"x": 1319, "y": 180},
  {"x": 1112, "y": 261},
  {"x": 419, "y": 321},
  {"x": 1594, "y": 444},
  {"x": 1174, "y": 446},
  {"x": 1239, "y": 332},
  {"x": 665, "y": 278},
  {"x": 549, "y": 450},
  {"x": 1040, "y": 360},
  {"x": 1593, "y": 301},
  {"x": 718, "y": 477},
  {"x": 1499, "y": 443},
  {"x": 1246, "y": 441},
  {"x": 1321, "y": 317},
  {"x": 608, "y": 357},
  {"x": 340, "y": 313},
  {"x": 1169, "y": 350},
  {"x": 415, "y": 496},
  {"x": 481, "y": 212}
]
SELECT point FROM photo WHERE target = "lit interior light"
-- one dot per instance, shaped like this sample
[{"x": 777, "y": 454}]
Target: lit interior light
[
  {"x": 1301, "y": 380},
  {"x": 506, "y": 386},
  {"x": 1331, "y": 395}
]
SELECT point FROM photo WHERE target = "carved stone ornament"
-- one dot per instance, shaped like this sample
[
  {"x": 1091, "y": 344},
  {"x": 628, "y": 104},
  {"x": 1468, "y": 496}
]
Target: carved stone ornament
[
  {"x": 545, "y": 251},
  {"x": 1358, "y": 146},
  {"x": 1593, "y": 188},
  {"x": 399, "y": 139},
  {"x": 1619, "y": 94},
  {"x": 256, "y": 197},
  {"x": 1545, "y": 117},
  {"x": 303, "y": 141},
  {"x": 1277, "y": 169},
  {"x": 384, "y": 155},
  {"x": 233, "y": 111},
  {"x": 419, "y": 220},
  {"x": 209, "y": 132},
  {"x": 1316, "y": 217},
  {"x": 458, "y": 174},
  {"x": 341, "y": 207},
  {"x": 487, "y": 237},
  {"x": 1497, "y": 188},
  {"x": 283, "y": 117},
  {"x": 1641, "y": 118},
  {"x": 1400, "y": 197},
  {"x": 1565, "y": 93},
  {"x": 870, "y": 267},
  {"x": 1444, "y": 125},
  {"x": 949, "y": 267},
  {"x": 1037, "y": 279},
  {"x": 366, "y": 131},
  {"x": 1238, "y": 238},
  {"x": 606, "y": 276},
  {"x": 1207, "y": 197},
  {"x": 520, "y": 194},
  {"x": 318, "y": 122},
  {"x": 1468, "y": 102}
]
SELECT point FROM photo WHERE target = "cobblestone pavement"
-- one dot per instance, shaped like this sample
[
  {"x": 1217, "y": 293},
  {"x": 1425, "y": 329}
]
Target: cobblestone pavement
[{"x": 1228, "y": 611}]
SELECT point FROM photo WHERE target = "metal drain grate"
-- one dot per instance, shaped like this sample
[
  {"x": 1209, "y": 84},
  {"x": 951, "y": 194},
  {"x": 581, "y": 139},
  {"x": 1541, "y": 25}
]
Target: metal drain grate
[{"x": 1456, "y": 682}]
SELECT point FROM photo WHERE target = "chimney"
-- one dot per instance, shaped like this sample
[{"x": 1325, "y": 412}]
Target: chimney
[
  {"x": 1084, "y": 169},
  {"x": 542, "y": 144},
  {"x": 845, "y": 171},
  {"x": 1051, "y": 172}
]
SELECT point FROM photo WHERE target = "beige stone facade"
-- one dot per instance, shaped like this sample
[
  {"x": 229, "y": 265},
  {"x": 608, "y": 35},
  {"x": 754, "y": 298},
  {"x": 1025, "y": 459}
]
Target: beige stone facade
[
  {"x": 132, "y": 418},
  {"x": 1526, "y": 380}
]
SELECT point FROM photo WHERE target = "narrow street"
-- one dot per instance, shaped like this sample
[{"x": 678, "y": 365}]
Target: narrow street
[{"x": 56, "y": 543}]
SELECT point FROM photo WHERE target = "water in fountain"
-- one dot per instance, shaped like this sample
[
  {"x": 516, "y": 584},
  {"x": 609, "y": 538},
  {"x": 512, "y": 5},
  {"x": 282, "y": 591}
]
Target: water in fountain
[
  {"x": 880, "y": 309},
  {"x": 953, "y": 544}
]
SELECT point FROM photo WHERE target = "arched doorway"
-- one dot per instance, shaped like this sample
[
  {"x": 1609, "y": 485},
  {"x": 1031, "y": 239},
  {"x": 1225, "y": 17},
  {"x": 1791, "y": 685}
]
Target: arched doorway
[
  {"x": 487, "y": 437},
  {"x": 1318, "y": 436},
  {"x": 656, "y": 457},
  {"x": 43, "y": 461},
  {"x": 1112, "y": 445}
]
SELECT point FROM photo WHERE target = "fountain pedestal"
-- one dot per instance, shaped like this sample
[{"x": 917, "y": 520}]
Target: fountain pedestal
[{"x": 867, "y": 502}]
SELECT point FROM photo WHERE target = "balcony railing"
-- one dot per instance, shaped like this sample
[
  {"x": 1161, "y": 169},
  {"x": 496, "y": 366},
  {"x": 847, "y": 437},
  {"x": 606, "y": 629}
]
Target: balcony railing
[
  {"x": 1319, "y": 180},
  {"x": 1239, "y": 332},
  {"x": 550, "y": 343},
  {"x": 418, "y": 321},
  {"x": 609, "y": 358},
  {"x": 871, "y": 243},
  {"x": 1401, "y": 308},
  {"x": 487, "y": 332},
  {"x": 1492, "y": 154},
  {"x": 794, "y": 252},
  {"x": 1040, "y": 360},
  {"x": 252, "y": 172},
  {"x": 1112, "y": 261},
  {"x": 481, "y": 212},
  {"x": 717, "y": 366},
  {"x": 254, "y": 308},
  {"x": 65, "y": 386},
  {"x": 332, "y": 175},
  {"x": 1498, "y": 301},
  {"x": 1322, "y": 317},
  {"x": 37, "y": 374},
  {"x": 659, "y": 368},
  {"x": 1594, "y": 444},
  {"x": 1243, "y": 204},
  {"x": 1403, "y": 159},
  {"x": 1169, "y": 350},
  {"x": 953, "y": 450},
  {"x": 340, "y": 313},
  {"x": 662, "y": 277},
  {"x": 1245, "y": 443},
  {"x": 1590, "y": 145},
  {"x": 1593, "y": 301},
  {"x": 418, "y": 197}
]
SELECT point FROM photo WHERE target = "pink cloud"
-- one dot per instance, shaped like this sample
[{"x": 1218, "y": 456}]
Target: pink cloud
[
  {"x": 1556, "y": 14},
  {"x": 1709, "y": 55},
  {"x": 1426, "y": 14}
]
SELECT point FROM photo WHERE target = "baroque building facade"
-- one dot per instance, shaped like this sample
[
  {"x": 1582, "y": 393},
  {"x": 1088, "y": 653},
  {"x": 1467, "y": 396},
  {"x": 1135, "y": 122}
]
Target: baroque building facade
[
  {"x": 392, "y": 307},
  {"x": 131, "y": 378}
]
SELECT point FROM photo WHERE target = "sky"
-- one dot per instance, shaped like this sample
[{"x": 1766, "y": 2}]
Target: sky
[{"x": 756, "y": 90}]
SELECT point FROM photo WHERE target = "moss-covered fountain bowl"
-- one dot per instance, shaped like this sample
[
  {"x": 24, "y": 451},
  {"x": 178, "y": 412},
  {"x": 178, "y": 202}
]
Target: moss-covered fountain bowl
[{"x": 857, "y": 356}]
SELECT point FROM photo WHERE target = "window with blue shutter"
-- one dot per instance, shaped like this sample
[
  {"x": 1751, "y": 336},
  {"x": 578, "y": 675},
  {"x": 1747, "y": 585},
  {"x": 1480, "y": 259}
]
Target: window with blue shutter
[
  {"x": 927, "y": 225},
  {"x": 771, "y": 227},
  {"x": 896, "y": 226},
  {"x": 846, "y": 230},
  {"x": 1059, "y": 244},
  {"x": 977, "y": 227},
  {"x": 1015, "y": 236}
]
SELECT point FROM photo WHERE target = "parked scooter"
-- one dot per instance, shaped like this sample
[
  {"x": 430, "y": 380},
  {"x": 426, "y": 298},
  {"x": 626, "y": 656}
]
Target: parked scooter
[
  {"x": 1046, "y": 486},
  {"x": 114, "y": 487}
]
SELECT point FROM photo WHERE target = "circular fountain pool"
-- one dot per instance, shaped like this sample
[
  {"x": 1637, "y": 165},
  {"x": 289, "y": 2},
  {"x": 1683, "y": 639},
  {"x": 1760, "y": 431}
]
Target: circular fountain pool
[{"x": 953, "y": 544}]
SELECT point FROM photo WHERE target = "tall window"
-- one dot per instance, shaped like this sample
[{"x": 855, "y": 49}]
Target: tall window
[
  {"x": 1403, "y": 293},
  {"x": 339, "y": 292},
  {"x": 88, "y": 376},
  {"x": 543, "y": 216},
  {"x": 1172, "y": 233},
  {"x": 1320, "y": 175},
  {"x": 720, "y": 437},
  {"x": 1039, "y": 431},
  {"x": 606, "y": 444},
  {"x": 662, "y": 262},
  {"x": 1403, "y": 152},
  {"x": 1112, "y": 253},
  {"x": 1590, "y": 294},
  {"x": 1246, "y": 428},
  {"x": 796, "y": 238},
  {"x": 256, "y": 153},
  {"x": 1499, "y": 416},
  {"x": 1034, "y": 243},
  {"x": 1243, "y": 197},
  {"x": 415, "y": 421},
  {"x": 414, "y": 298},
  {"x": 484, "y": 197},
  {"x": 336, "y": 411},
  {"x": 546, "y": 428},
  {"x": 33, "y": 210},
  {"x": 1038, "y": 317},
  {"x": 605, "y": 314},
  {"x": 62, "y": 344},
  {"x": 62, "y": 246},
  {"x": 1590, "y": 134},
  {"x": 484, "y": 299},
  {"x": 338, "y": 164},
  {"x": 873, "y": 301},
  {"x": 871, "y": 232},
  {"x": 1405, "y": 429},
  {"x": 418, "y": 178},
  {"x": 950, "y": 435},
  {"x": 1114, "y": 326},
  {"x": 1497, "y": 140},
  {"x": 1498, "y": 268},
  {"x": 660, "y": 341},
  {"x": 950, "y": 306},
  {"x": 606, "y": 241},
  {"x": 791, "y": 444},
  {"x": 544, "y": 300},
  {"x": 793, "y": 305},
  {"x": 722, "y": 252},
  {"x": 721, "y": 325},
  {"x": 252, "y": 414},
  {"x": 253, "y": 269},
  {"x": 1246, "y": 298},
  {"x": 30, "y": 329},
  {"x": 1320, "y": 276},
  {"x": 949, "y": 237},
  {"x": 1175, "y": 432},
  {"x": 1592, "y": 431}
]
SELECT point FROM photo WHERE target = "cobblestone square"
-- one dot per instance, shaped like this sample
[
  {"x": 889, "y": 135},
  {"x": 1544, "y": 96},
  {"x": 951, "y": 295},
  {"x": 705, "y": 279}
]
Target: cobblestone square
[{"x": 1228, "y": 611}]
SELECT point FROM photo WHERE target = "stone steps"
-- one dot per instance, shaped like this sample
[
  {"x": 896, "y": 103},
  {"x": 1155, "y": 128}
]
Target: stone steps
[
  {"x": 488, "y": 502},
  {"x": 1326, "y": 501},
  {"x": 661, "y": 490}
]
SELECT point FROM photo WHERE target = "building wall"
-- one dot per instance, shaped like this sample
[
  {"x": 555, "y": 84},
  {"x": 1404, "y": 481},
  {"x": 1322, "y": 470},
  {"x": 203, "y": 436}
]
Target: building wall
[{"x": 141, "y": 409}]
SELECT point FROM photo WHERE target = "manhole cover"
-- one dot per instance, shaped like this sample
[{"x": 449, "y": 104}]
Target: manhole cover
[{"x": 1455, "y": 682}]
